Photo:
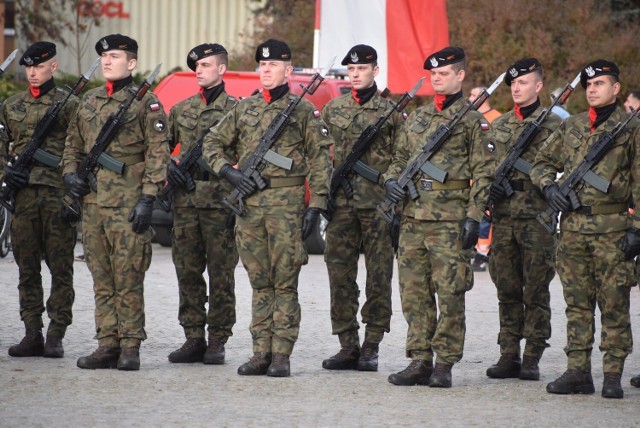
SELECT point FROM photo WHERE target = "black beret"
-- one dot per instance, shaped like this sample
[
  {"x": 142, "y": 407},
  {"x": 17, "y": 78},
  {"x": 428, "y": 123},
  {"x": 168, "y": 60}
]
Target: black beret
[
  {"x": 273, "y": 50},
  {"x": 597, "y": 68},
  {"x": 360, "y": 54},
  {"x": 520, "y": 68},
  {"x": 116, "y": 41},
  {"x": 37, "y": 53},
  {"x": 446, "y": 56},
  {"x": 202, "y": 51}
]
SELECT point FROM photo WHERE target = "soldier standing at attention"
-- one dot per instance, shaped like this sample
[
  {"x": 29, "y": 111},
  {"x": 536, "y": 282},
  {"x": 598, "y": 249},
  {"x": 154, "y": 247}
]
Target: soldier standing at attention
[
  {"x": 269, "y": 236},
  {"x": 598, "y": 240},
  {"x": 440, "y": 228},
  {"x": 37, "y": 229},
  {"x": 356, "y": 222},
  {"x": 117, "y": 213},
  {"x": 201, "y": 237},
  {"x": 522, "y": 261}
]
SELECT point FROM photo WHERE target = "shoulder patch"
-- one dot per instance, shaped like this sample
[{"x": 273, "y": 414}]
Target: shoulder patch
[
  {"x": 316, "y": 113},
  {"x": 404, "y": 115},
  {"x": 159, "y": 125},
  {"x": 154, "y": 106},
  {"x": 484, "y": 126},
  {"x": 491, "y": 147},
  {"x": 324, "y": 131}
]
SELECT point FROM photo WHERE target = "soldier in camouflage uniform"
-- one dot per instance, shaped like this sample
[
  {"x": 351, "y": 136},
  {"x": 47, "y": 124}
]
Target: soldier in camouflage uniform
[
  {"x": 440, "y": 228},
  {"x": 269, "y": 237},
  {"x": 201, "y": 237},
  {"x": 117, "y": 208},
  {"x": 522, "y": 258},
  {"x": 598, "y": 240},
  {"x": 37, "y": 229},
  {"x": 355, "y": 221}
]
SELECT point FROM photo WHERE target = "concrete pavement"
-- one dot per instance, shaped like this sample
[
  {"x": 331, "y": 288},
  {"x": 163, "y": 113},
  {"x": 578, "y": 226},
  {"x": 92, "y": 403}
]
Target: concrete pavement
[{"x": 49, "y": 392}]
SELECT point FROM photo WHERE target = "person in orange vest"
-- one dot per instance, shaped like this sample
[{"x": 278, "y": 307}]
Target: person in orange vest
[{"x": 481, "y": 259}]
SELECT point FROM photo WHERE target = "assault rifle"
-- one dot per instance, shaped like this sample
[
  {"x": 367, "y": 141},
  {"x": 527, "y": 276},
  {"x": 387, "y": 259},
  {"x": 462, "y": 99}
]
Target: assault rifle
[
  {"x": 352, "y": 163},
  {"x": 263, "y": 152},
  {"x": 549, "y": 218},
  {"x": 188, "y": 163},
  {"x": 435, "y": 142},
  {"x": 32, "y": 151},
  {"x": 513, "y": 160},
  {"x": 107, "y": 134}
]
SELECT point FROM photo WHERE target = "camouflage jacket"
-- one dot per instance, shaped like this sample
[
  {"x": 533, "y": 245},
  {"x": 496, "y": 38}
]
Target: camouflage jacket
[
  {"x": 19, "y": 115},
  {"x": 347, "y": 120},
  {"x": 141, "y": 143},
  {"x": 469, "y": 154},
  {"x": 565, "y": 149},
  {"x": 305, "y": 140},
  {"x": 188, "y": 120},
  {"x": 507, "y": 128}
]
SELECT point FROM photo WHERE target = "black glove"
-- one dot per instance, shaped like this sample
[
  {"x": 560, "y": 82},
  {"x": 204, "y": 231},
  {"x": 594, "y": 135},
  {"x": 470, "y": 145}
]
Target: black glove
[
  {"x": 496, "y": 193},
  {"x": 394, "y": 192},
  {"x": 469, "y": 233},
  {"x": 238, "y": 179},
  {"x": 179, "y": 179},
  {"x": 17, "y": 179},
  {"x": 141, "y": 214},
  {"x": 555, "y": 199},
  {"x": 75, "y": 186},
  {"x": 310, "y": 221},
  {"x": 631, "y": 244}
]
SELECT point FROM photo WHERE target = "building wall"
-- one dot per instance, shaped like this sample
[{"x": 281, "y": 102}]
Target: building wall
[{"x": 165, "y": 29}]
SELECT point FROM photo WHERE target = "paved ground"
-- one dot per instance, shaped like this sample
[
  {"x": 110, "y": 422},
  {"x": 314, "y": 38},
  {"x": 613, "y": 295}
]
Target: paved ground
[{"x": 46, "y": 392}]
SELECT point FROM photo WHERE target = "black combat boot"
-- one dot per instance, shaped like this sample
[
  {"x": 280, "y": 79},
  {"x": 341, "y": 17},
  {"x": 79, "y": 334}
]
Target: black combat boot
[
  {"x": 31, "y": 345},
  {"x": 368, "y": 361},
  {"x": 279, "y": 366},
  {"x": 508, "y": 366},
  {"x": 611, "y": 387},
  {"x": 345, "y": 359},
  {"x": 416, "y": 373},
  {"x": 191, "y": 351},
  {"x": 441, "y": 376},
  {"x": 635, "y": 381},
  {"x": 529, "y": 369},
  {"x": 215, "y": 351},
  {"x": 572, "y": 382},
  {"x": 257, "y": 365},
  {"x": 129, "y": 359},
  {"x": 102, "y": 358},
  {"x": 53, "y": 347}
]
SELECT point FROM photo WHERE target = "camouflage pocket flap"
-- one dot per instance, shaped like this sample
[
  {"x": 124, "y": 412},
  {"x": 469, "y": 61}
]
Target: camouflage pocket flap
[{"x": 502, "y": 134}]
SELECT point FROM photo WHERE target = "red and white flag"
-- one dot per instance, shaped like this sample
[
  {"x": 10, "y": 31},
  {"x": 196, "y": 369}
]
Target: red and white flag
[{"x": 403, "y": 32}]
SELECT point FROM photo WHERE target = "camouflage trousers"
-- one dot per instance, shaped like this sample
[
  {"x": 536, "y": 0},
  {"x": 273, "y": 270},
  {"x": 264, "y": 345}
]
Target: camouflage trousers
[
  {"x": 269, "y": 241},
  {"x": 522, "y": 264},
  {"x": 431, "y": 261},
  {"x": 37, "y": 233},
  {"x": 348, "y": 229},
  {"x": 593, "y": 271},
  {"x": 118, "y": 259},
  {"x": 201, "y": 239}
]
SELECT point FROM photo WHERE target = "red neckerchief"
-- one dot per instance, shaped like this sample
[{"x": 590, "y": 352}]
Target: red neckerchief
[
  {"x": 109, "y": 87},
  {"x": 516, "y": 110},
  {"x": 266, "y": 95},
  {"x": 354, "y": 93},
  {"x": 35, "y": 92},
  {"x": 204, "y": 99},
  {"x": 439, "y": 101},
  {"x": 593, "y": 116}
]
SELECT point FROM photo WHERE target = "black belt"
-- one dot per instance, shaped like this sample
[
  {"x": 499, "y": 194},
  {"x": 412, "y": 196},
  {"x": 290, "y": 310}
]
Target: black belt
[
  {"x": 602, "y": 209},
  {"x": 521, "y": 185}
]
